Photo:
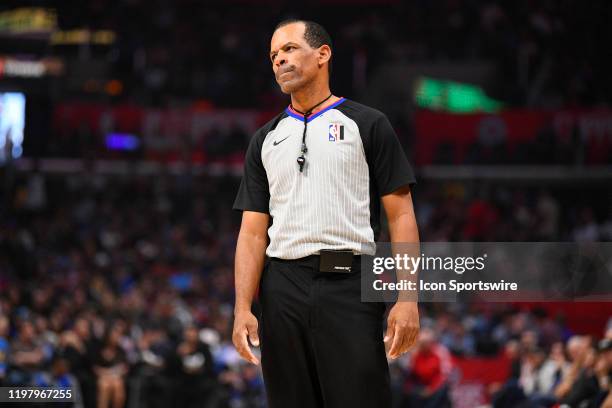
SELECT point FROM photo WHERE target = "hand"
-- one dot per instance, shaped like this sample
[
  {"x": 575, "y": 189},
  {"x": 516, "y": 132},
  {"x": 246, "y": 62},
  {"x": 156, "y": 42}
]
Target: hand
[
  {"x": 245, "y": 327},
  {"x": 402, "y": 328}
]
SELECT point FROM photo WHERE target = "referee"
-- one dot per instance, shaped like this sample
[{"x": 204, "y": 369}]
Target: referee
[{"x": 314, "y": 178}]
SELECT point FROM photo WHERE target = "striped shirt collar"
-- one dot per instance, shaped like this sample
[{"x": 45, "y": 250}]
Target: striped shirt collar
[{"x": 295, "y": 114}]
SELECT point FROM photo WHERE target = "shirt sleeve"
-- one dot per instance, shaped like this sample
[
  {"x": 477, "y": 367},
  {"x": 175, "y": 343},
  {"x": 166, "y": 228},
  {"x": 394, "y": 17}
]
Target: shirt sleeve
[
  {"x": 253, "y": 193},
  {"x": 391, "y": 168}
]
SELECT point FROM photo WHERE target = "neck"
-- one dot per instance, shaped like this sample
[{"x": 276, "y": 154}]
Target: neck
[{"x": 306, "y": 98}]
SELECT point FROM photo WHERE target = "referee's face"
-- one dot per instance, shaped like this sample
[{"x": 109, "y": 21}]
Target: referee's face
[{"x": 294, "y": 62}]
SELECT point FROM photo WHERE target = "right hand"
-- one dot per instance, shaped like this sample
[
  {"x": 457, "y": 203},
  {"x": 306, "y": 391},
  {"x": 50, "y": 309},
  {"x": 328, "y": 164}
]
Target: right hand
[{"x": 245, "y": 329}]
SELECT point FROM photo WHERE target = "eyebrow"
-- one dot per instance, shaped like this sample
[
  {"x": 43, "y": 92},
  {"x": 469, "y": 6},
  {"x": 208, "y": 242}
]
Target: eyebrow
[{"x": 284, "y": 45}]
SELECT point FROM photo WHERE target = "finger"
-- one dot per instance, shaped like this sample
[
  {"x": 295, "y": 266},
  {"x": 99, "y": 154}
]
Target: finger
[
  {"x": 253, "y": 335},
  {"x": 397, "y": 341},
  {"x": 244, "y": 350},
  {"x": 414, "y": 334},
  {"x": 390, "y": 331},
  {"x": 403, "y": 346},
  {"x": 409, "y": 339}
]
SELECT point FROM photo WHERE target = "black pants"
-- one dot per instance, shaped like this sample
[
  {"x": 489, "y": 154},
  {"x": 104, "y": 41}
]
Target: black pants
[{"x": 321, "y": 346}]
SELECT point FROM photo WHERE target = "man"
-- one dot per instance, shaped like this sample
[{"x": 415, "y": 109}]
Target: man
[
  {"x": 430, "y": 367},
  {"x": 313, "y": 179}
]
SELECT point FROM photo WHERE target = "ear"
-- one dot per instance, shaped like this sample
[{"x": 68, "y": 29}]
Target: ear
[{"x": 325, "y": 54}]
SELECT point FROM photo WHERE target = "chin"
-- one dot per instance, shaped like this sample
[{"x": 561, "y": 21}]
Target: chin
[
  {"x": 285, "y": 90},
  {"x": 289, "y": 87}
]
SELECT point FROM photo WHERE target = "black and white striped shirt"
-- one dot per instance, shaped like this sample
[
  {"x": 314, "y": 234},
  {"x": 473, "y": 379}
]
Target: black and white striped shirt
[{"x": 353, "y": 158}]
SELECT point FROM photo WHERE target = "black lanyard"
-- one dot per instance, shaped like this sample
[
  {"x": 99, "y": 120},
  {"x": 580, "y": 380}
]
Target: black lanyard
[{"x": 302, "y": 160}]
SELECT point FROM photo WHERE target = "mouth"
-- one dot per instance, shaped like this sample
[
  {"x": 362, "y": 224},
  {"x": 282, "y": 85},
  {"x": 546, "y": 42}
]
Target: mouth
[{"x": 284, "y": 72}]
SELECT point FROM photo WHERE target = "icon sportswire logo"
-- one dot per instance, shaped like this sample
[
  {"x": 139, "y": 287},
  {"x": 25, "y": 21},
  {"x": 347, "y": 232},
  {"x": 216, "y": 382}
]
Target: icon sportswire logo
[{"x": 279, "y": 142}]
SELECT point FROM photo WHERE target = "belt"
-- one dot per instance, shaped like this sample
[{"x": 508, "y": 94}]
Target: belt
[
  {"x": 331, "y": 263},
  {"x": 309, "y": 258}
]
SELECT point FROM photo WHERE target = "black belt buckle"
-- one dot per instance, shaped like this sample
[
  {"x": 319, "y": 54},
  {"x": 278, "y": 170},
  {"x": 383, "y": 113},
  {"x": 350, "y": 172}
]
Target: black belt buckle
[{"x": 336, "y": 260}]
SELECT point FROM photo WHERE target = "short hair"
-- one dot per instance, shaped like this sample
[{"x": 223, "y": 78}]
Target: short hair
[{"x": 314, "y": 34}]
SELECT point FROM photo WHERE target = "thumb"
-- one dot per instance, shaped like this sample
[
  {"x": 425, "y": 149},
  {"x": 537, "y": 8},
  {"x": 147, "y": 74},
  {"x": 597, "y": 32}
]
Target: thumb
[{"x": 390, "y": 330}]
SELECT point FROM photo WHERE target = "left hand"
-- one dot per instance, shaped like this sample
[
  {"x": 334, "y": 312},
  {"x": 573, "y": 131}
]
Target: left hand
[{"x": 402, "y": 328}]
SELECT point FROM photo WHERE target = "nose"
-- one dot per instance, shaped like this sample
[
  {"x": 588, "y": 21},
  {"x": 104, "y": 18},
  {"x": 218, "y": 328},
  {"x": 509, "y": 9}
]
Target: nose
[{"x": 280, "y": 60}]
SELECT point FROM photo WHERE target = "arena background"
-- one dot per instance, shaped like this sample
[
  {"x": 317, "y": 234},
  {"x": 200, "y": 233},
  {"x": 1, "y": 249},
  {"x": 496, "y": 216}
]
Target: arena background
[{"x": 123, "y": 127}]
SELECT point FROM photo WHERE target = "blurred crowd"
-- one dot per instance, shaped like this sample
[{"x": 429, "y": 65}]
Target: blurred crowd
[
  {"x": 108, "y": 286},
  {"x": 548, "y": 366},
  {"x": 122, "y": 287},
  {"x": 168, "y": 49},
  {"x": 576, "y": 373},
  {"x": 494, "y": 212}
]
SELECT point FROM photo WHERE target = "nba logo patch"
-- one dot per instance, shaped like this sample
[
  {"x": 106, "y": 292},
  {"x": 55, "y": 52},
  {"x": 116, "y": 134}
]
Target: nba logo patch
[{"x": 336, "y": 132}]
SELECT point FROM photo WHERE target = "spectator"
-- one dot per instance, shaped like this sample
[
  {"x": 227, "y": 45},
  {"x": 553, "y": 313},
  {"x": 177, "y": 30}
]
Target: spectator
[
  {"x": 197, "y": 380},
  {"x": 77, "y": 345},
  {"x": 580, "y": 385},
  {"x": 154, "y": 380},
  {"x": 4, "y": 347},
  {"x": 27, "y": 356},
  {"x": 430, "y": 367},
  {"x": 554, "y": 369},
  {"x": 603, "y": 372},
  {"x": 110, "y": 367},
  {"x": 59, "y": 376},
  {"x": 531, "y": 366}
]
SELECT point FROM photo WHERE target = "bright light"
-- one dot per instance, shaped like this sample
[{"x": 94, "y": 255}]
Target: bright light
[
  {"x": 453, "y": 97},
  {"x": 12, "y": 123}
]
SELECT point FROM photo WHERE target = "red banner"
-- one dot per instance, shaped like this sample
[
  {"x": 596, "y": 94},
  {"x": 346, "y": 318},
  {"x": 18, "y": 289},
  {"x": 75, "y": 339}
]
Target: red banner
[
  {"x": 167, "y": 131},
  {"x": 164, "y": 133}
]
